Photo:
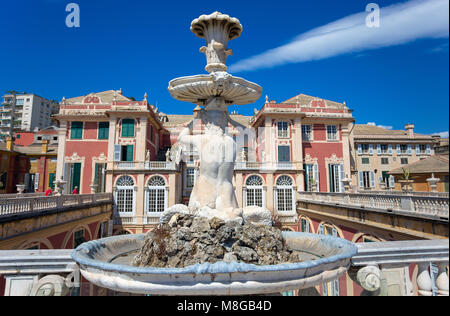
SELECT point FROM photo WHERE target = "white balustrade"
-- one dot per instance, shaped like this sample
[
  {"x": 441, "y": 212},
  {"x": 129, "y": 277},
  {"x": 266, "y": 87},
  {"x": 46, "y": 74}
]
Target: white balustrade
[
  {"x": 390, "y": 262},
  {"x": 419, "y": 205},
  {"x": 16, "y": 206}
]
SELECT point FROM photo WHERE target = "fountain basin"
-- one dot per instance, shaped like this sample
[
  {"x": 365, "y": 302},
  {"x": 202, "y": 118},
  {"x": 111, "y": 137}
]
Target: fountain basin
[
  {"x": 104, "y": 262},
  {"x": 199, "y": 88}
]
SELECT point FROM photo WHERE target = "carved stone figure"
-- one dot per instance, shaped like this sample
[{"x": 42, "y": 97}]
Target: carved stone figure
[{"x": 213, "y": 193}]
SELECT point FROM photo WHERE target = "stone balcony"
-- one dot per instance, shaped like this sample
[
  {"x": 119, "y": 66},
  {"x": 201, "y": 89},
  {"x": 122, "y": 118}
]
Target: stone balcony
[
  {"x": 417, "y": 205},
  {"x": 144, "y": 165},
  {"x": 26, "y": 204},
  {"x": 267, "y": 166},
  {"x": 399, "y": 268}
]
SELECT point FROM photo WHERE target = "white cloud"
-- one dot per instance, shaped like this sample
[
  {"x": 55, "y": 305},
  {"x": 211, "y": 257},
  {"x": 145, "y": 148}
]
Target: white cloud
[
  {"x": 442, "y": 134},
  {"x": 382, "y": 126},
  {"x": 399, "y": 24}
]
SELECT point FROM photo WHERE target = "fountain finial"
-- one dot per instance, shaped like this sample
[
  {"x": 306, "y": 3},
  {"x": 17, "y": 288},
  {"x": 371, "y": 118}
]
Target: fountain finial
[{"x": 217, "y": 29}]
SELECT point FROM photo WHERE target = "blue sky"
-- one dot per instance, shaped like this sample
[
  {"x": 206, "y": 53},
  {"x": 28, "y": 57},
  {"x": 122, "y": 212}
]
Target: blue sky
[{"x": 140, "y": 46}]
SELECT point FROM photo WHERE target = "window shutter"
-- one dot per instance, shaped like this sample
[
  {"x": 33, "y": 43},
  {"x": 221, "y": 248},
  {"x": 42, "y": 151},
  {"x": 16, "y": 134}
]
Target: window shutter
[
  {"x": 370, "y": 149},
  {"x": 409, "y": 149},
  {"x": 36, "y": 182},
  {"x": 96, "y": 175},
  {"x": 316, "y": 176},
  {"x": 306, "y": 226},
  {"x": 117, "y": 153},
  {"x": 398, "y": 149},
  {"x": 378, "y": 149},
  {"x": 103, "y": 130},
  {"x": 391, "y": 181},
  {"x": 372, "y": 179},
  {"x": 306, "y": 176},
  {"x": 130, "y": 152},
  {"x": 361, "y": 179},
  {"x": 359, "y": 149},
  {"x": 76, "y": 130},
  {"x": 128, "y": 128},
  {"x": 428, "y": 149},
  {"x": 341, "y": 177},
  {"x": 390, "y": 149}
]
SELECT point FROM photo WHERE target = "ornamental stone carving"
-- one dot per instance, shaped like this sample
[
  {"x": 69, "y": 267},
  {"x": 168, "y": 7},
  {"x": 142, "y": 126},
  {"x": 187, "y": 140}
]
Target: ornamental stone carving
[
  {"x": 334, "y": 160},
  {"x": 217, "y": 29},
  {"x": 309, "y": 160}
]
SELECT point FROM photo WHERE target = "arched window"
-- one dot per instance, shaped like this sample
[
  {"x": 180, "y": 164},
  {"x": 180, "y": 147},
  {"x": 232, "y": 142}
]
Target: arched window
[
  {"x": 254, "y": 193},
  {"x": 331, "y": 288},
  {"x": 156, "y": 197},
  {"x": 284, "y": 194},
  {"x": 305, "y": 225},
  {"x": 125, "y": 195}
]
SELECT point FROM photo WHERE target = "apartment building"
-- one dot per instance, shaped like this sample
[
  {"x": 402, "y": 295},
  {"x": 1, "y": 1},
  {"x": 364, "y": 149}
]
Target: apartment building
[
  {"x": 377, "y": 150},
  {"x": 25, "y": 112}
]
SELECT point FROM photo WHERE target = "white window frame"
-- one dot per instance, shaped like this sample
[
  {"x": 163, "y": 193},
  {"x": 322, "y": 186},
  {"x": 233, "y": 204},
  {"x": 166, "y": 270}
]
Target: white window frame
[
  {"x": 284, "y": 188},
  {"x": 125, "y": 188},
  {"x": 284, "y": 131},
  {"x": 255, "y": 188},
  {"x": 307, "y": 133},
  {"x": 336, "y": 137},
  {"x": 158, "y": 189}
]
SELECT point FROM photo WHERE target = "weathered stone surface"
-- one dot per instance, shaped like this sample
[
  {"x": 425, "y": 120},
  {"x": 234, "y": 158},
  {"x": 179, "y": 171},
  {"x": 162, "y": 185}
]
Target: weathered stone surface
[
  {"x": 175, "y": 209},
  {"x": 192, "y": 239},
  {"x": 257, "y": 215}
]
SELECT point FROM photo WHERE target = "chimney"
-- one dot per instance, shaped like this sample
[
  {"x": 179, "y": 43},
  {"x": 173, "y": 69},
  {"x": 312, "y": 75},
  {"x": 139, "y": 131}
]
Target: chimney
[
  {"x": 9, "y": 143},
  {"x": 44, "y": 147},
  {"x": 410, "y": 130}
]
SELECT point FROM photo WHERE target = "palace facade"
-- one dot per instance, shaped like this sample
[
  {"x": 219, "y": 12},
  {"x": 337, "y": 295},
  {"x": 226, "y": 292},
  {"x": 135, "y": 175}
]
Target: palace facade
[{"x": 111, "y": 143}]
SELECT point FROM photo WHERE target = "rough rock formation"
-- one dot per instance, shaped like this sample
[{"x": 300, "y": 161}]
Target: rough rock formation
[{"x": 187, "y": 240}]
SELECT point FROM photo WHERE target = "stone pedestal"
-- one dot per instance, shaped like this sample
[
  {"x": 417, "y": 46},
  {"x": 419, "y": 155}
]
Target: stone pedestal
[{"x": 433, "y": 183}]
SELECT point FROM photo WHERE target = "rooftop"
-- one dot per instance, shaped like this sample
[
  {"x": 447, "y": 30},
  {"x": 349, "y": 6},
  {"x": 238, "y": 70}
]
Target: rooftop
[{"x": 436, "y": 163}]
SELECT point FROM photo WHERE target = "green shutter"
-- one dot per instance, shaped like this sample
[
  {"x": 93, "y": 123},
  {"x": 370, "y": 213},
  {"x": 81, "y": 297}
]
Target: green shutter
[
  {"x": 130, "y": 153},
  {"x": 128, "y": 128},
  {"x": 103, "y": 130},
  {"x": 51, "y": 180},
  {"x": 76, "y": 130},
  {"x": 76, "y": 176},
  {"x": 305, "y": 174},
  {"x": 330, "y": 178}
]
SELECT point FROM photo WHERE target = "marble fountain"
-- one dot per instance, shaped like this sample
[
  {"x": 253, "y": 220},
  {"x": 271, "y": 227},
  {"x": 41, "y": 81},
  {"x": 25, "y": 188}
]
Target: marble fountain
[{"x": 108, "y": 262}]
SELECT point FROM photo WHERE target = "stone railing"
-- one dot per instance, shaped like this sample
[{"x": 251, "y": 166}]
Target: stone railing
[
  {"x": 20, "y": 196},
  {"x": 384, "y": 268},
  {"x": 392, "y": 192},
  {"x": 250, "y": 165},
  {"x": 39, "y": 273},
  {"x": 412, "y": 205},
  {"x": 398, "y": 268},
  {"x": 144, "y": 165},
  {"x": 14, "y": 206}
]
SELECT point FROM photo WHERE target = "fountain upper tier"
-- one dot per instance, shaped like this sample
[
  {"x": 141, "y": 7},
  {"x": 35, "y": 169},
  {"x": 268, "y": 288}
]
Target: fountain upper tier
[
  {"x": 201, "y": 89},
  {"x": 217, "y": 29}
]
